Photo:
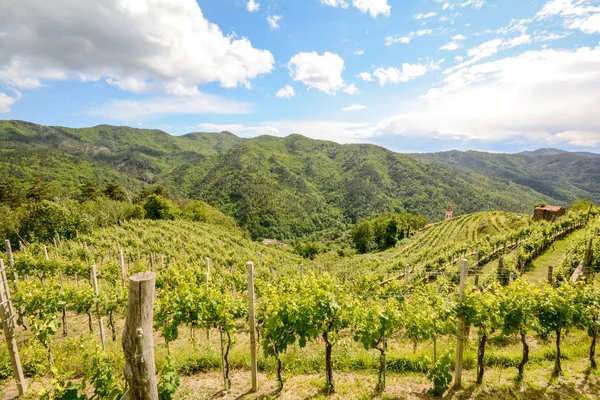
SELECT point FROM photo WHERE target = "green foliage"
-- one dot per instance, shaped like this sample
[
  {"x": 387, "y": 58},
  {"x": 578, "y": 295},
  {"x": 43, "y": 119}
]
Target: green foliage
[
  {"x": 60, "y": 388},
  {"x": 384, "y": 231},
  {"x": 309, "y": 249},
  {"x": 160, "y": 208},
  {"x": 440, "y": 374},
  {"x": 169, "y": 380},
  {"x": 100, "y": 375}
]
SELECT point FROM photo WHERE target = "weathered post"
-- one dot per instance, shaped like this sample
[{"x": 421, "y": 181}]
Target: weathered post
[
  {"x": 301, "y": 271},
  {"x": 11, "y": 260},
  {"x": 460, "y": 340},
  {"x": 252, "y": 320},
  {"x": 8, "y": 326},
  {"x": 138, "y": 341},
  {"x": 122, "y": 266},
  {"x": 97, "y": 292},
  {"x": 46, "y": 258},
  {"x": 550, "y": 273}
]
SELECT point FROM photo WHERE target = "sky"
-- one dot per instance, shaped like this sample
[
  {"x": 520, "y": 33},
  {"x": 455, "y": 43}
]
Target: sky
[{"x": 409, "y": 75}]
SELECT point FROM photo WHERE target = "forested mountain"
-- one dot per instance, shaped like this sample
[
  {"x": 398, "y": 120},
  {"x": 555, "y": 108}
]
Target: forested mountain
[
  {"x": 561, "y": 175},
  {"x": 281, "y": 187}
]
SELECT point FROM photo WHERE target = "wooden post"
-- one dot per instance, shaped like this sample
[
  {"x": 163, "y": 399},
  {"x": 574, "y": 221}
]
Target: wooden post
[
  {"x": 460, "y": 340},
  {"x": 97, "y": 293},
  {"x": 11, "y": 260},
  {"x": 46, "y": 258},
  {"x": 8, "y": 326},
  {"x": 123, "y": 268},
  {"x": 301, "y": 270},
  {"x": 138, "y": 340},
  {"x": 550, "y": 272},
  {"x": 252, "y": 320}
]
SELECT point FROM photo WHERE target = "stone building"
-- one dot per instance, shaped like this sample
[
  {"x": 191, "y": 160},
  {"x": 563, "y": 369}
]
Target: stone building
[
  {"x": 548, "y": 213},
  {"x": 449, "y": 213}
]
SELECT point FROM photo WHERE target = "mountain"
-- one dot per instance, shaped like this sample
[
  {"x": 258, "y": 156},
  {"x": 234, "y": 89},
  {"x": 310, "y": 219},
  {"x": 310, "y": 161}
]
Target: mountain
[
  {"x": 561, "y": 175},
  {"x": 275, "y": 187},
  {"x": 553, "y": 152}
]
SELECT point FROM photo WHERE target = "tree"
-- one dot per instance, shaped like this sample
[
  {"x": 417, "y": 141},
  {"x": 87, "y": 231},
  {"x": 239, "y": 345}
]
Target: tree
[
  {"x": 160, "y": 208},
  {"x": 39, "y": 190},
  {"x": 90, "y": 191},
  {"x": 362, "y": 237},
  {"x": 114, "y": 191}
]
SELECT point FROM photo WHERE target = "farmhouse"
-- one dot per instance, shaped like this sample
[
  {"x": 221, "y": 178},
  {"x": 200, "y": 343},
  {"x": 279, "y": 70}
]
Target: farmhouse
[{"x": 548, "y": 213}]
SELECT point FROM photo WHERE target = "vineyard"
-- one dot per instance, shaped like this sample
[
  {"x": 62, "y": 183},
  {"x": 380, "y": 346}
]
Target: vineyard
[{"x": 383, "y": 318}]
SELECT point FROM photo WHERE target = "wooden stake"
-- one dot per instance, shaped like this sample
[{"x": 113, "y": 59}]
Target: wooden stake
[
  {"x": 46, "y": 258},
  {"x": 252, "y": 320},
  {"x": 301, "y": 271},
  {"x": 8, "y": 326},
  {"x": 138, "y": 341},
  {"x": 123, "y": 268},
  {"x": 97, "y": 293},
  {"x": 460, "y": 340},
  {"x": 550, "y": 273},
  {"x": 11, "y": 261}
]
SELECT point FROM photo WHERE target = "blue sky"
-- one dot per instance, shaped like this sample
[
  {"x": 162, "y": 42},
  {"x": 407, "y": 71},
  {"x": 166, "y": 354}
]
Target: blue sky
[{"x": 423, "y": 75}]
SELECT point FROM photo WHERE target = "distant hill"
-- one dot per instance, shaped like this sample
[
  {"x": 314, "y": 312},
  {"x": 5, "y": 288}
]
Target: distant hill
[
  {"x": 561, "y": 175},
  {"x": 283, "y": 187},
  {"x": 554, "y": 152}
]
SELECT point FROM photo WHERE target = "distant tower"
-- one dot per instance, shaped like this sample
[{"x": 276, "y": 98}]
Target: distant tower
[{"x": 449, "y": 213}]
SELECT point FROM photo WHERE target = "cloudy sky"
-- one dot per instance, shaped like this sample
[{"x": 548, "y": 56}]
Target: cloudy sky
[{"x": 411, "y": 75}]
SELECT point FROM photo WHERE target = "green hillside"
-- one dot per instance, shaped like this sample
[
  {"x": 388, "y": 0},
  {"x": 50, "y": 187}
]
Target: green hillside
[
  {"x": 561, "y": 175},
  {"x": 275, "y": 187}
]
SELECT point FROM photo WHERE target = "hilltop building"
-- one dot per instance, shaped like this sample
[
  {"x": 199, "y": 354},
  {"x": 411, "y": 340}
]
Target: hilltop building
[
  {"x": 449, "y": 213},
  {"x": 548, "y": 213}
]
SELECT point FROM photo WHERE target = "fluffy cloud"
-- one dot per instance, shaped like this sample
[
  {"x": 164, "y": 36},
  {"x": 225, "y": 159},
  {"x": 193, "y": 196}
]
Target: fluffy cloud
[
  {"x": 581, "y": 14},
  {"x": 273, "y": 21},
  {"x": 454, "y": 44},
  {"x": 252, "y": 6},
  {"x": 201, "y": 103},
  {"x": 140, "y": 46},
  {"x": 6, "y": 102},
  {"x": 359, "y": 52},
  {"x": 365, "y": 76},
  {"x": 407, "y": 73},
  {"x": 322, "y": 72},
  {"x": 390, "y": 40},
  {"x": 373, "y": 7},
  {"x": 351, "y": 89},
  {"x": 355, "y": 107},
  {"x": 546, "y": 96},
  {"x": 286, "y": 92}
]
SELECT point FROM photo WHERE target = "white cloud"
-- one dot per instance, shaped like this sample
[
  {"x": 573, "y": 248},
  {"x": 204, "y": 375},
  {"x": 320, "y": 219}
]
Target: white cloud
[
  {"x": 390, "y": 40},
  {"x": 252, "y": 6},
  {"x": 335, "y": 3},
  {"x": 425, "y": 16},
  {"x": 286, "y": 92},
  {"x": 451, "y": 46},
  {"x": 407, "y": 73},
  {"x": 322, "y": 72},
  {"x": 373, "y": 7},
  {"x": 365, "y": 76},
  {"x": 579, "y": 14},
  {"x": 359, "y": 52},
  {"x": 351, "y": 89},
  {"x": 273, "y": 21},
  {"x": 488, "y": 49},
  {"x": 201, "y": 103},
  {"x": 544, "y": 97},
  {"x": 144, "y": 45},
  {"x": 6, "y": 102},
  {"x": 355, "y": 107},
  {"x": 458, "y": 37},
  {"x": 469, "y": 3}
]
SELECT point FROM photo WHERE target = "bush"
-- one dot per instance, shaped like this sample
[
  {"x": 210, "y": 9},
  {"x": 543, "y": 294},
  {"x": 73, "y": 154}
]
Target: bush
[
  {"x": 160, "y": 208},
  {"x": 440, "y": 375}
]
